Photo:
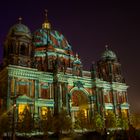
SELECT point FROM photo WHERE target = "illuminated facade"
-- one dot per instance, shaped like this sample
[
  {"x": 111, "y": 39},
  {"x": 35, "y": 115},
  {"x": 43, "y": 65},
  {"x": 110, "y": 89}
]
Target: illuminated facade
[{"x": 42, "y": 72}]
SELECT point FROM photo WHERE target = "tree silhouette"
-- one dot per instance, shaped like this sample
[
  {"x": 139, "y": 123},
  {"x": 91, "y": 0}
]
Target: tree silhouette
[
  {"x": 5, "y": 124},
  {"x": 62, "y": 122},
  {"x": 110, "y": 119},
  {"x": 25, "y": 125},
  {"x": 80, "y": 120},
  {"x": 98, "y": 122}
]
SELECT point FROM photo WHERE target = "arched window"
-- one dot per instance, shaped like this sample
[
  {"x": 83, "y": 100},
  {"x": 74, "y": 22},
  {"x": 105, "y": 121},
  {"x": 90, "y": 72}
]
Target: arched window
[{"x": 23, "y": 49}]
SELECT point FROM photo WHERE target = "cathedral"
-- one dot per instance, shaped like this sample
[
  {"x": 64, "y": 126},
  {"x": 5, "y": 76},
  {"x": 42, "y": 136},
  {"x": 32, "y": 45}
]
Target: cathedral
[{"x": 41, "y": 72}]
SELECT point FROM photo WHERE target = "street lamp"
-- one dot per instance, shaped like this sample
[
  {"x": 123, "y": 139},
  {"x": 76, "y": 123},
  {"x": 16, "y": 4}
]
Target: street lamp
[{"x": 14, "y": 110}]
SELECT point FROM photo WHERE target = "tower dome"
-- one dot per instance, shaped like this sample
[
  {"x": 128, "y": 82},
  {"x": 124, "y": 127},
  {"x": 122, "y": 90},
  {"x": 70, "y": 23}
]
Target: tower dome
[
  {"x": 108, "y": 54},
  {"x": 19, "y": 29},
  {"x": 77, "y": 61},
  {"x": 18, "y": 46}
]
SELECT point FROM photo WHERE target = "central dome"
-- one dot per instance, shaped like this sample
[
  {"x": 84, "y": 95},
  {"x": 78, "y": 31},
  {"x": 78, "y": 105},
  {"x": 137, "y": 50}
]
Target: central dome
[{"x": 43, "y": 37}]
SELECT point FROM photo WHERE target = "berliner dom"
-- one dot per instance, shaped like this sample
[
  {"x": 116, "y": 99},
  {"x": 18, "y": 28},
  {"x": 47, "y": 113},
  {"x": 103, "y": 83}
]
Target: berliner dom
[{"x": 43, "y": 73}]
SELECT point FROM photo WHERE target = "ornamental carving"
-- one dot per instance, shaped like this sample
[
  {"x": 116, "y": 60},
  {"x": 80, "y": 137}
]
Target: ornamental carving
[{"x": 78, "y": 84}]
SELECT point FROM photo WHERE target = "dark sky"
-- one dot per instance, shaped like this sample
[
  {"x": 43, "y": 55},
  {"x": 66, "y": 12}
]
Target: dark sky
[{"x": 88, "y": 27}]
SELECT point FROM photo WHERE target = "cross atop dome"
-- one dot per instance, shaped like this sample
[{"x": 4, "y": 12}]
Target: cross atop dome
[
  {"x": 46, "y": 24},
  {"x": 20, "y": 19},
  {"x": 46, "y": 15}
]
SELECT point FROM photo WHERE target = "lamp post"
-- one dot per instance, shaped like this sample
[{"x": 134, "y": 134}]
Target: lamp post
[
  {"x": 14, "y": 111},
  {"x": 13, "y": 125}
]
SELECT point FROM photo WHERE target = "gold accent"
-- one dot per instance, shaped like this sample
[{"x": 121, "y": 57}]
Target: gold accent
[
  {"x": 21, "y": 109},
  {"x": 77, "y": 55},
  {"x": 46, "y": 24}
]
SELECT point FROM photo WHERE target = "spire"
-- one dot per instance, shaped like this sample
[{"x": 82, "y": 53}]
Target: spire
[
  {"x": 46, "y": 15},
  {"x": 46, "y": 24},
  {"x": 20, "y": 20},
  {"x": 77, "y": 57}
]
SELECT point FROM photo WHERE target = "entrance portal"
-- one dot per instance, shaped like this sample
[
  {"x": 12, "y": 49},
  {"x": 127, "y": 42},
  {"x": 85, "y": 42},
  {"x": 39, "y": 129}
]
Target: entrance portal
[{"x": 79, "y": 103}]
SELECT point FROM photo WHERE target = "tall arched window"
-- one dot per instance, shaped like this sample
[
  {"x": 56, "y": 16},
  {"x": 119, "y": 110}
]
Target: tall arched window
[{"x": 23, "y": 49}]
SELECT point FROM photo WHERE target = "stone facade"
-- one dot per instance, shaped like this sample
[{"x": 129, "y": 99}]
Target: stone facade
[{"x": 41, "y": 72}]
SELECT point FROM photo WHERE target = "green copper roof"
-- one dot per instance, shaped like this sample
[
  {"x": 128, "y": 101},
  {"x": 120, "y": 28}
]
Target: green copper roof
[
  {"x": 77, "y": 60},
  {"x": 108, "y": 54},
  {"x": 19, "y": 30}
]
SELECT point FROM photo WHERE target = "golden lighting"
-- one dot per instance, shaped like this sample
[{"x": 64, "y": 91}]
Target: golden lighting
[
  {"x": 44, "y": 111},
  {"x": 85, "y": 113},
  {"x": 21, "y": 109},
  {"x": 106, "y": 113},
  {"x": 46, "y": 25},
  {"x": 124, "y": 112}
]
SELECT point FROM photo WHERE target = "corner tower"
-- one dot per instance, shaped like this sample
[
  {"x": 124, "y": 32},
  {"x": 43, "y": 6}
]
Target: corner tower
[
  {"x": 17, "y": 47},
  {"x": 109, "y": 68}
]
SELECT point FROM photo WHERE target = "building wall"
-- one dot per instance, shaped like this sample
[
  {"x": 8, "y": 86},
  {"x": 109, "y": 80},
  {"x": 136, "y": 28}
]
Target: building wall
[{"x": 41, "y": 72}]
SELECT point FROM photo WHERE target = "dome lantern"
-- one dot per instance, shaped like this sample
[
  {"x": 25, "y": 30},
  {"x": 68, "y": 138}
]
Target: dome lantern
[
  {"x": 20, "y": 20},
  {"x": 46, "y": 24},
  {"x": 19, "y": 29},
  {"x": 108, "y": 54}
]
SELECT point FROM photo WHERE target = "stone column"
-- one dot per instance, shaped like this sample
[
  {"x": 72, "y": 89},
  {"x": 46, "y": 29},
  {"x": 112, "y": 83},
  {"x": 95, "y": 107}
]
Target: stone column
[
  {"x": 60, "y": 95},
  {"x": 30, "y": 88},
  {"x": 50, "y": 90},
  {"x": 97, "y": 100},
  {"x": 15, "y": 86},
  {"x": 103, "y": 106},
  {"x": 114, "y": 102},
  {"x": 56, "y": 97},
  {"x": 91, "y": 108},
  {"x": 128, "y": 114},
  {"x": 126, "y": 96},
  {"x": 72, "y": 115},
  {"x": 68, "y": 103},
  {"x": 9, "y": 92},
  {"x": 103, "y": 103},
  {"x": 36, "y": 113}
]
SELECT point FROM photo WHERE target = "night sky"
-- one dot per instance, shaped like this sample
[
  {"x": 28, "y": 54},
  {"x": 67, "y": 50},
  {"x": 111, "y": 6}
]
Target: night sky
[{"x": 88, "y": 27}]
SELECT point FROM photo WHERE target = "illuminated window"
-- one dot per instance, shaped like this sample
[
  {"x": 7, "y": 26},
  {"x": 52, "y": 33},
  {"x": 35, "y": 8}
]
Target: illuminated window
[
  {"x": 85, "y": 113},
  {"x": 124, "y": 112},
  {"x": 106, "y": 113},
  {"x": 12, "y": 86},
  {"x": 44, "y": 111},
  {"x": 21, "y": 109}
]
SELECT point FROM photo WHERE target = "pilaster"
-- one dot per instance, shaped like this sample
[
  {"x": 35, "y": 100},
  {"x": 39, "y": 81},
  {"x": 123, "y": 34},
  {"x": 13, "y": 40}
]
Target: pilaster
[
  {"x": 36, "y": 97},
  {"x": 9, "y": 93},
  {"x": 114, "y": 101}
]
